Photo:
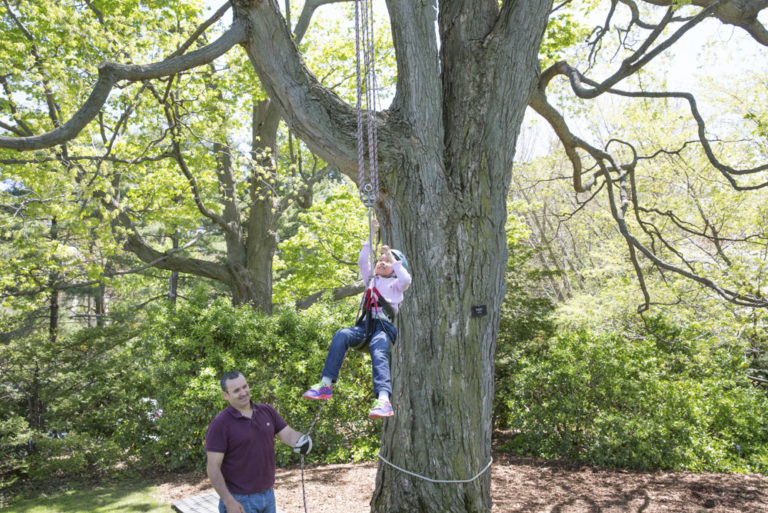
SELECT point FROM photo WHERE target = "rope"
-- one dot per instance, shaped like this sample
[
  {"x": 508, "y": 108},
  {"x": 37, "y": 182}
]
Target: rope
[
  {"x": 311, "y": 427},
  {"x": 366, "y": 114},
  {"x": 445, "y": 481},
  {"x": 369, "y": 190}
]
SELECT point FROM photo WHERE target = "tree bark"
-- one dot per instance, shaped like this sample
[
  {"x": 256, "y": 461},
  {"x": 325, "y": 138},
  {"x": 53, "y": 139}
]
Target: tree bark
[
  {"x": 173, "y": 281},
  {"x": 53, "y": 317}
]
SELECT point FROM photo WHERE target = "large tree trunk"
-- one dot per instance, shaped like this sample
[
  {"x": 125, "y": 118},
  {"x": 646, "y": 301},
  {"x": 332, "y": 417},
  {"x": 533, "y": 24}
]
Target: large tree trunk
[
  {"x": 446, "y": 148},
  {"x": 264, "y": 214},
  {"x": 449, "y": 214}
]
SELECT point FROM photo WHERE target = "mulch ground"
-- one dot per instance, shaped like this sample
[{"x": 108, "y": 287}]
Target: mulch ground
[{"x": 522, "y": 485}]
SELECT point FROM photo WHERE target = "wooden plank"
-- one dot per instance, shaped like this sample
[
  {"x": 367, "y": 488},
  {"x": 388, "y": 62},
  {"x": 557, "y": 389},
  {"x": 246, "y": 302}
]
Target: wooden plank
[{"x": 207, "y": 503}]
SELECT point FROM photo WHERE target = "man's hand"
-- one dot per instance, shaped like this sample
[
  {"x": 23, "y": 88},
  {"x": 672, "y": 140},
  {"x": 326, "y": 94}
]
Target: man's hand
[
  {"x": 303, "y": 445},
  {"x": 234, "y": 507}
]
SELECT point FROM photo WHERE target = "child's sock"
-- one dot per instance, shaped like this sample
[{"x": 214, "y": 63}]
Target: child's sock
[
  {"x": 383, "y": 396},
  {"x": 326, "y": 381}
]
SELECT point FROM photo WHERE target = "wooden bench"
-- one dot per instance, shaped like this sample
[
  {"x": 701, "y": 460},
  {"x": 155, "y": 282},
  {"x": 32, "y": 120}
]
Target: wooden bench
[{"x": 207, "y": 503}]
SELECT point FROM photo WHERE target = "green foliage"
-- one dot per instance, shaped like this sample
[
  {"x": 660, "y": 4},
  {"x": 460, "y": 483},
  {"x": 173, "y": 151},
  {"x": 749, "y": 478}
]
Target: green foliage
[
  {"x": 280, "y": 356},
  {"x": 62, "y": 400},
  {"x": 14, "y": 434},
  {"x": 525, "y": 316},
  {"x": 323, "y": 252},
  {"x": 638, "y": 403},
  {"x": 145, "y": 397},
  {"x": 563, "y": 32},
  {"x": 74, "y": 455},
  {"x": 79, "y": 381}
]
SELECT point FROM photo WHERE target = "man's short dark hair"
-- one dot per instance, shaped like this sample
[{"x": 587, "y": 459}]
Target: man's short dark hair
[{"x": 228, "y": 376}]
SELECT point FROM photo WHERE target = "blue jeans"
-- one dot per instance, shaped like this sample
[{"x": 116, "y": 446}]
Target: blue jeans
[
  {"x": 253, "y": 502},
  {"x": 378, "y": 349}
]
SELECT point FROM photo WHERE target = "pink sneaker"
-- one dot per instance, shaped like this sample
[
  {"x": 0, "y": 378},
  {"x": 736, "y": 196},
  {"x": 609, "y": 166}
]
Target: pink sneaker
[
  {"x": 381, "y": 409},
  {"x": 319, "y": 391}
]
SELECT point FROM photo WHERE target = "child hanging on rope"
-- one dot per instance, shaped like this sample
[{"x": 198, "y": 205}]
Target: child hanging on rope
[{"x": 383, "y": 295}]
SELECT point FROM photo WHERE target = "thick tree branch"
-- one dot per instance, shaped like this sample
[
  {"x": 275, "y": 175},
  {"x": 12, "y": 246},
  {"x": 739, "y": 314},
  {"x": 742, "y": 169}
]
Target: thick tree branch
[
  {"x": 323, "y": 121},
  {"x": 111, "y": 73},
  {"x": 337, "y": 294},
  {"x": 171, "y": 261},
  {"x": 740, "y": 13},
  {"x": 306, "y": 16},
  {"x": 419, "y": 98},
  {"x": 570, "y": 142}
]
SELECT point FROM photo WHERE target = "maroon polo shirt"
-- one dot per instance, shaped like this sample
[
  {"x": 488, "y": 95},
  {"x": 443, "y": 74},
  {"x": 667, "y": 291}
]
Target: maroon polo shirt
[{"x": 248, "y": 446}]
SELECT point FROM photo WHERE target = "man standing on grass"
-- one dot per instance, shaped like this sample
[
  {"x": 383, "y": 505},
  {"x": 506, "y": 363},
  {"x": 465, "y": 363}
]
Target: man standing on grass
[{"x": 240, "y": 446}]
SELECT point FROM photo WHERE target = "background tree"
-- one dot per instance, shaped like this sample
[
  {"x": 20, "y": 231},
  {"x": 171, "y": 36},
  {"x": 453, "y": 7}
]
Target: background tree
[
  {"x": 169, "y": 164},
  {"x": 459, "y": 103}
]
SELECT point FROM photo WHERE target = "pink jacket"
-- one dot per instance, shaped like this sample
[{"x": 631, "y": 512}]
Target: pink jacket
[{"x": 390, "y": 289}]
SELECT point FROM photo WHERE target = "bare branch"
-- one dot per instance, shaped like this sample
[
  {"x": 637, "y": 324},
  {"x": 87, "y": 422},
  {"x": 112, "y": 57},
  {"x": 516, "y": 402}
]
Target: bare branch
[
  {"x": 306, "y": 16},
  {"x": 730, "y": 295},
  {"x": 570, "y": 142},
  {"x": 628, "y": 195},
  {"x": 577, "y": 79},
  {"x": 640, "y": 58}
]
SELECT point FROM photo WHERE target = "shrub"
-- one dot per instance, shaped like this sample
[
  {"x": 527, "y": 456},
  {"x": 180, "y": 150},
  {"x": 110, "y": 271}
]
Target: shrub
[
  {"x": 15, "y": 437},
  {"x": 280, "y": 355},
  {"x": 612, "y": 401},
  {"x": 81, "y": 384},
  {"x": 72, "y": 455}
]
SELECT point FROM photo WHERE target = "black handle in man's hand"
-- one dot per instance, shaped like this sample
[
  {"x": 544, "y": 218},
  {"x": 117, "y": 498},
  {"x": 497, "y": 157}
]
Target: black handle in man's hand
[{"x": 303, "y": 445}]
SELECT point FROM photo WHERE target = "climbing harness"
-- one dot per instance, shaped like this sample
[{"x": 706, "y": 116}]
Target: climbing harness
[{"x": 439, "y": 481}]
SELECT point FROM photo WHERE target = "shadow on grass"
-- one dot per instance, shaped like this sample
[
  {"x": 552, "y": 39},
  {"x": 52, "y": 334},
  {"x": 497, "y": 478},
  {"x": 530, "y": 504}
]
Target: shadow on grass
[{"x": 131, "y": 497}]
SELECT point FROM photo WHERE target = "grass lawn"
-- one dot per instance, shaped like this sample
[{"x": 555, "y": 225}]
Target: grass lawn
[{"x": 138, "y": 497}]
